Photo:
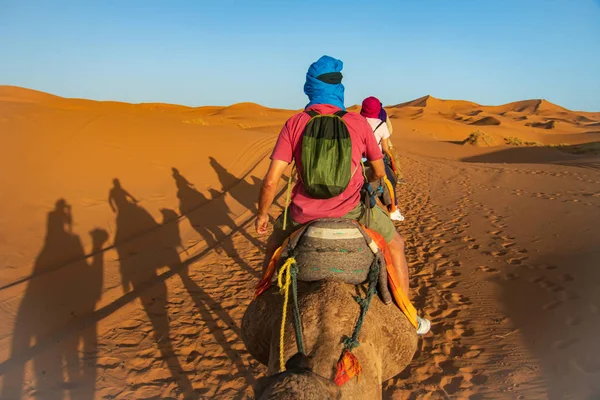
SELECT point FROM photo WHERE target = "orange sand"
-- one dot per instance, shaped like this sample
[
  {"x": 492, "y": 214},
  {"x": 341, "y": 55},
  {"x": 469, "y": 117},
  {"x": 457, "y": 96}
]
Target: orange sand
[{"x": 501, "y": 240}]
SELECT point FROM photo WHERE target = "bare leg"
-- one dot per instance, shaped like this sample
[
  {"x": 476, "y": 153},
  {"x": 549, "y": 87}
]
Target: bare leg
[{"x": 396, "y": 247}]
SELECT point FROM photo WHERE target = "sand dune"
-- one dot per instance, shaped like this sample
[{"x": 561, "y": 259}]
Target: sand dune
[
  {"x": 128, "y": 254},
  {"x": 486, "y": 121},
  {"x": 438, "y": 104},
  {"x": 542, "y": 125}
]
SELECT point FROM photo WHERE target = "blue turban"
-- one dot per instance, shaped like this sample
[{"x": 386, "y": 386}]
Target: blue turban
[{"x": 319, "y": 91}]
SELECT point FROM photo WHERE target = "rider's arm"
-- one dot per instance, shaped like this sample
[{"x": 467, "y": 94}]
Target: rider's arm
[
  {"x": 110, "y": 201},
  {"x": 268, "y": 191},
  {"x": 269, "y": 186},
  {"x": 378, "y": 168},
  {"x": 385, "y": 145},
  {"x": 130, "y": 196}
]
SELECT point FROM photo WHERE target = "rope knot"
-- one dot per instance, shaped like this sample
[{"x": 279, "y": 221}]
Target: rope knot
[{"x": 351, "y": 343}]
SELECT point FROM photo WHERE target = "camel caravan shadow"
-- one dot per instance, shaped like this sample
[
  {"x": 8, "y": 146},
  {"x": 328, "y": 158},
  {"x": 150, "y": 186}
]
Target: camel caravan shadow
[
  {"x": 64, "y": 288},
  {"x": 56, "y": 323},
  {"x": 140, "y": 258},
  {"x": 210, "y": 217}
]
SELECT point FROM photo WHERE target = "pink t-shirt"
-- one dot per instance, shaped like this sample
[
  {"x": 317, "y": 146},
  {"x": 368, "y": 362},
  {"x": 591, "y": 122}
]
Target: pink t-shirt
[{"x": 303, "y": 208}]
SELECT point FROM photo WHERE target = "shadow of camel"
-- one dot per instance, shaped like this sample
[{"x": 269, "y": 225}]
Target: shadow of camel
[
  {"x": 209, "y": 221},
  {"x": 57, "y": 255},
  {"x": 243, "y": 192},
  {"x": 140, "y": 257},
  {"x": 65, "y": 367}
]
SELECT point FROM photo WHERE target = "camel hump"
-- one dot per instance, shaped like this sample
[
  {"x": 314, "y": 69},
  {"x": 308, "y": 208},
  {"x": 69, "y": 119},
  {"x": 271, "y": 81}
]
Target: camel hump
[
  {"x": 335, "y": 249},
  {"x": 332, "y": 248}
]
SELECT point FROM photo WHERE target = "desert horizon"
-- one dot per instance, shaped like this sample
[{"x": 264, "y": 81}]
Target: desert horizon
[{"x": 30, "y": 94}]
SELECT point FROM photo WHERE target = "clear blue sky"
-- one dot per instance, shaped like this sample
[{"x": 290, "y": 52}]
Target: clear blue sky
[{"x": 223, "y": 52}]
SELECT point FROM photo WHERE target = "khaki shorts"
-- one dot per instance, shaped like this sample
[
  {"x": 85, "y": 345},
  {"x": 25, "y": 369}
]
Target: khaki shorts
[{"x": 380, "y": 223}]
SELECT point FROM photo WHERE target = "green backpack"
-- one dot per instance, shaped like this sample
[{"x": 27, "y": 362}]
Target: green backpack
[{"x": 326, "y": 155}]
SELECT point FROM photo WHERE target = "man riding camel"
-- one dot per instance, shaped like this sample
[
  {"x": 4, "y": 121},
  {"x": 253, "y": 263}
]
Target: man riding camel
[
  {"x": 326, "y": 94},
  {"x": 371, "y": 109}
]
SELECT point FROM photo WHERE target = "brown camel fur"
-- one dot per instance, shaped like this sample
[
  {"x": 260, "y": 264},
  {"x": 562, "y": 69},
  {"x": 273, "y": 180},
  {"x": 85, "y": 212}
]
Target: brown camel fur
[{"x": 329, "y": 312}]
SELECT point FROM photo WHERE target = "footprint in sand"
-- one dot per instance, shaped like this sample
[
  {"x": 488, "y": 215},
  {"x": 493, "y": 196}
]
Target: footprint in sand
[
  {"x": 450, "y": 334},
  {"x": 447, "y": 366},
  {"x": 454, "y": 386},
  {"x": 550, "y": 286},
  {"x": 435, "y": 313},
  {"x": 589, "y": 366},
  {"x": 108, "y": 362},
  {"x": 457, "y": 298},
  {"x": 567, "y": 278},
  {"x": 452, "y": 351},
  {"x": 573, "y": 321},
  {"x": 479, "y": 379},
  {"x": 473, "y": 353},
  {"x": 552, "y": 305},
  {"x": 449, "y": 285},
  {"x": 563, "y": 344},
  {"x": 450, "y": 313},
  {"x": 567, "y": 295},
  {"x": 511, "y": 276},
  {"x": 484, "y": 268},
  {"x": 516, "y": 261},
  {"x": 446, "y": 272},
  {"x": 130, "y": 324},
  {"x": 468, "y": 332}
]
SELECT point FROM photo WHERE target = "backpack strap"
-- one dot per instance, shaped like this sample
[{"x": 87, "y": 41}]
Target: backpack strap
[
  {"x": 341, "y": 113},
  {"x": 377, "y": 127},
  {"x": 312, "y": 113},
  {"x": 288, "y": 194}
]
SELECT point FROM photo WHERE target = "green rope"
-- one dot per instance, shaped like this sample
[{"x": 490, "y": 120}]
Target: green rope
[
  {"x": 297, "y": 320},
  {"x": 373, "y": 277}
]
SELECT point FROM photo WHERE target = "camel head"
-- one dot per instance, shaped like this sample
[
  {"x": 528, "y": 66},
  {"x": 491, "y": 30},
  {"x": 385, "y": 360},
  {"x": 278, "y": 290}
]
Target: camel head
[{"x": 297, "y": 382}]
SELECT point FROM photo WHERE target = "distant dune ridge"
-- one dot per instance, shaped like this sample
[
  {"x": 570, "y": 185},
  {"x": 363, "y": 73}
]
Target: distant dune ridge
[
  {"x": 533, "y": 121},
  {"x": 486, "y": 121},
  {"x": 128, "y": 254}
]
